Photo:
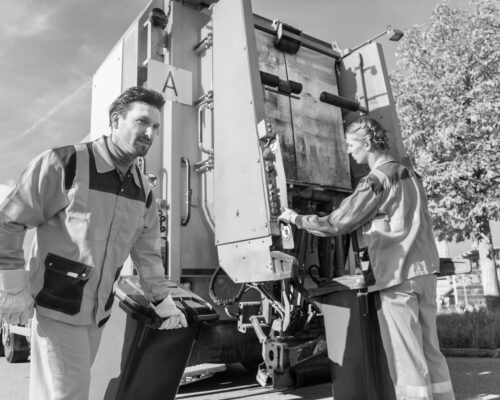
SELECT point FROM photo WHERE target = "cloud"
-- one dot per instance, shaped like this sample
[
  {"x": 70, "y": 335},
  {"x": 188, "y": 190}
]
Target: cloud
[
  {"x": 47, "y": 101},
  {"x": 86, "y": 52},
  {"x": 25, "y": 18},
  {"x": 71, "y": 98}
]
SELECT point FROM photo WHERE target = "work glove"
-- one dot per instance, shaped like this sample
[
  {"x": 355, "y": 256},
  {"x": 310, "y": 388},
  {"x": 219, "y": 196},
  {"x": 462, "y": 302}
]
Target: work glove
[
  {"x": 175, "y": 318},
  {"x": 16, "y": 307},
  {"x": 288, "y": 216},
  {"x": 16, "y": 302}
]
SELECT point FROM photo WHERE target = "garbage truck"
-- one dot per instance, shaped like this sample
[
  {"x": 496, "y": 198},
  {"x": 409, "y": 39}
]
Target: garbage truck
[{"x": 254, "y": 122}]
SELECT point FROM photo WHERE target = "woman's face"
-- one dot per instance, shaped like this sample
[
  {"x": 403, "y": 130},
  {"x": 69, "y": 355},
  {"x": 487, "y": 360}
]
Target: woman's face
[{"x": 358, "y": 149}]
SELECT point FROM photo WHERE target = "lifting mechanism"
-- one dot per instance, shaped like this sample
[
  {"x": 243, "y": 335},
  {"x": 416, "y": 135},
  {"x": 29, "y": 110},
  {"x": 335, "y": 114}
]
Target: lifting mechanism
[{"x": 282, "y": 89}]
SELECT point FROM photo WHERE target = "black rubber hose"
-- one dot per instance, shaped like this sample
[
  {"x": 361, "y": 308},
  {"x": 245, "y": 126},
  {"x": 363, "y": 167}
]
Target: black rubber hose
[
  {"x": 314, "y": 274},
  {"x": 217, "y": 300}
]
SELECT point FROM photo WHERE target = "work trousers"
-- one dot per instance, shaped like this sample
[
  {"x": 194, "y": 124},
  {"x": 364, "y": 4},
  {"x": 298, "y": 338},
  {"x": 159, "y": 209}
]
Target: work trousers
[
  {"x": 61, "y": 357},
  {"x": 407, "y": 318}
]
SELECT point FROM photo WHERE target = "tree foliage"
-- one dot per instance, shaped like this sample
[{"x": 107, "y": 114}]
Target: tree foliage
[{"x": 447, "y": 90}]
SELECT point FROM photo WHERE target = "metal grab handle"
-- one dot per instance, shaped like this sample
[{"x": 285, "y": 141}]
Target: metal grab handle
[
  {"x": 201, "y": 109},
  {"x": 187, "y": 203},
  {"x": 203, "y": 103}
]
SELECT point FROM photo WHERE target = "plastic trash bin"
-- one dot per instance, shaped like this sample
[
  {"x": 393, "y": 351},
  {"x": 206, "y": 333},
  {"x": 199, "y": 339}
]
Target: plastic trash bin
[
  {"x": 359, "y": 366},
  {"x": 150, "y": 363}
]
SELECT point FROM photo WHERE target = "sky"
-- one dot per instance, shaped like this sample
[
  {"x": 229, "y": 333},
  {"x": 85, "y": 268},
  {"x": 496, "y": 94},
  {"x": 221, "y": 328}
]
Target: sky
[{"x": 49, "y": 50}]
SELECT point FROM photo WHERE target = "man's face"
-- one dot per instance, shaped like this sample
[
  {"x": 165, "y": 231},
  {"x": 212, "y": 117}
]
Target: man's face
[
  {"x": 135, "y": 131},
  {"x": 358, "y": 149}
]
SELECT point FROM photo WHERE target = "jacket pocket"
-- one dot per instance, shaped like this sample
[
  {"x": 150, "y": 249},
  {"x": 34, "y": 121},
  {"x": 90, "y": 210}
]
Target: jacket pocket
[{"x": 64, "y": 282}]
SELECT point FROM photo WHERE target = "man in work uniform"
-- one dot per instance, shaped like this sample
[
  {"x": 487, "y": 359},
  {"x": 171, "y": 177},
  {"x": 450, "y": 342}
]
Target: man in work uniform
[
  {"x": 91, "y": 207},
  {"x": 390, "y": 207}
]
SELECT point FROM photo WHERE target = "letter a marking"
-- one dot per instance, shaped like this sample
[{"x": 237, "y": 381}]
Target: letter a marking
[{"x": 169, "y": 79}]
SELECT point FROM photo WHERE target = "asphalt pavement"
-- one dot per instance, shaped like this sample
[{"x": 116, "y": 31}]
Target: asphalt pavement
[{"x": 473, "y": 379}]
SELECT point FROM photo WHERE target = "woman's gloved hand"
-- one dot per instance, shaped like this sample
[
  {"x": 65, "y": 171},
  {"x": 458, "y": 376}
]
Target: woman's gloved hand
[
  {"x": 288, "y": 216},
  {"x": 175, "y": 318}
]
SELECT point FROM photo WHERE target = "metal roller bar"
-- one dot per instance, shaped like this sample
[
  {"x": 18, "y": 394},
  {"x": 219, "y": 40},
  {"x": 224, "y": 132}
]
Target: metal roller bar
[
  {"x": 282, "y": 93},
  {"x": 294, "y": 182},
  {"x": 312, "y": 43},
  {"x": 287, "y": 88},
  {"x": 341, "y": 102},
  {"x": 269, "y": 79},
  {"x": 288, "y": 39}
]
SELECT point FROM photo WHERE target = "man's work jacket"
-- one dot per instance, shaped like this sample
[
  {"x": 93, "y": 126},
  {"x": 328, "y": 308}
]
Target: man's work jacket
[
  {"x": 390, "y": 207},
  {"x": 87, "y": 222}
]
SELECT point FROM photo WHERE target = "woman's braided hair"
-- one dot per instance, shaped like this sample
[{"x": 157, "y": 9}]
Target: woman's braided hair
[{"x": 369, "y": 128}]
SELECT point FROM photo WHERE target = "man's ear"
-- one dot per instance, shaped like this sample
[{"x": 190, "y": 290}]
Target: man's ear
[{"x": 115, "y": 120}]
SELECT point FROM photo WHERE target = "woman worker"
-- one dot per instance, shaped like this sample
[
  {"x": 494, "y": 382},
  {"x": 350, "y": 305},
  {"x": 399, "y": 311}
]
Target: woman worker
[{"x": 390, "y": 207}]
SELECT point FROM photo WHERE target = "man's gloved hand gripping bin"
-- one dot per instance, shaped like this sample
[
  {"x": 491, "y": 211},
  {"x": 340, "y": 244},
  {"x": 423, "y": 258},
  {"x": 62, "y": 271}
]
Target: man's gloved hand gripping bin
[{"x": 153, "y": 361}]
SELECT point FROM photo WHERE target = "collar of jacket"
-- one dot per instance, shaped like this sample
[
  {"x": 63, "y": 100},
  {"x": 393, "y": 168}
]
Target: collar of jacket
[
  {"x": 382, "y": 160},
  {"x": 103, "y": 160}
]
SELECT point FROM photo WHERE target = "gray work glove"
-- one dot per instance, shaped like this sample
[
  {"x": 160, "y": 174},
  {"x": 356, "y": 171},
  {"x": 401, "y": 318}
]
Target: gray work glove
[
  {"x": 288, "y": 216},
  {"x": 16, "y": 307},
  {"x": 175, "y": 318},
  {"x": 16, "y": 302}
]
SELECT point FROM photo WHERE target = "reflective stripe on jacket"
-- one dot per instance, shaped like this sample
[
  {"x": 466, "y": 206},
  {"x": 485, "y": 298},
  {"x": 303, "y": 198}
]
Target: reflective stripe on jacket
[
  {"x": 87, "y": 222},
  {"x": 391, "y": 207}
]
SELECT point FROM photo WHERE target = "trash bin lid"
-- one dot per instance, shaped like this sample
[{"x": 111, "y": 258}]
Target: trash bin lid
[
  {"x": 132, "y": 300},
  {"x": 339, "y": 284}
]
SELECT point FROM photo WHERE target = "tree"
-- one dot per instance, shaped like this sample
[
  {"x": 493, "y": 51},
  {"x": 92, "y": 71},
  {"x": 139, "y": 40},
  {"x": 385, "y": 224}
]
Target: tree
[{"x": 447, "y": 90}]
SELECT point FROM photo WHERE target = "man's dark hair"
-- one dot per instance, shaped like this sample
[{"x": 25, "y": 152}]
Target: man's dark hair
[{"x": 133, "y": 94}]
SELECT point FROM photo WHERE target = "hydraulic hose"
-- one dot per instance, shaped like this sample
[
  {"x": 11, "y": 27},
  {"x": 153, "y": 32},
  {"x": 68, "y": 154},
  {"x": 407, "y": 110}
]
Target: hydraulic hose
[{"x": 217, "y": 300}]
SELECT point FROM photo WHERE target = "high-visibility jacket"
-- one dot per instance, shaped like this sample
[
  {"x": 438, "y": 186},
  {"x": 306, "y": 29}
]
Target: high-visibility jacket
[
  {"x": 390, "y": 208},
  {"x": 87, "y": 222}
]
